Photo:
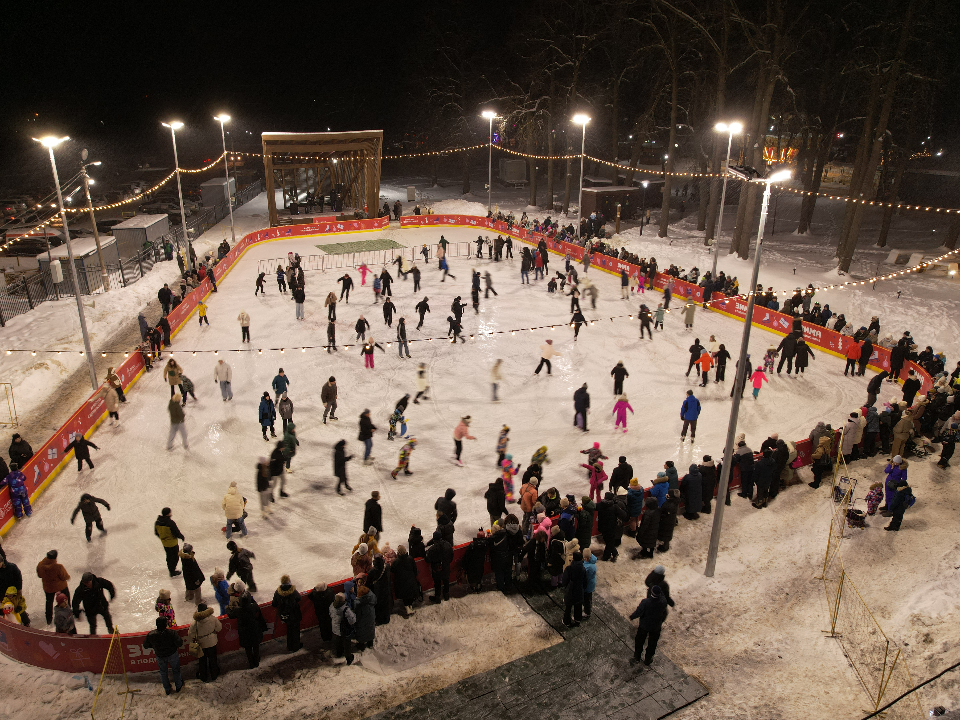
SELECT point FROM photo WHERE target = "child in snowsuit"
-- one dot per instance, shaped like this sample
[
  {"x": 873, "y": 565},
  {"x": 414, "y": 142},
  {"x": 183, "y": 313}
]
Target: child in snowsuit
[
  {"x": 594, "y": 454},
  {"x": 758, "y": 379},
  {"x": 17, "y": 482},
  {"x": 597, "y": 476},
  {"x": 165, "y": 609},
  {"x": 221, "y": 589},
  {"x": 508, "y": 472},
  {"x": 502, "y": 445},
  {"x": 404, "y": 462},
  {"x": 397, "y": 417},
  {"x": 658, "y": 317},
  {"x": 769, "y": 358},
  {"x": 620, "y": 410},
  {"x": 874, "y": 497}
]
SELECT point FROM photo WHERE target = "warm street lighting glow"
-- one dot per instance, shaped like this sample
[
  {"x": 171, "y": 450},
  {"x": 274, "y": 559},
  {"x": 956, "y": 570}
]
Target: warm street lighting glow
[
  {"x": 488, "y": 115},
  {"x": 50, "y": 142},
  {"x": 581, "y": 119},
  {"x": 733, "y": 128},
  {"x": 175, "y": 125},
  {"x": 779, "y": 176},
  {"x": 222, "y": 117}
]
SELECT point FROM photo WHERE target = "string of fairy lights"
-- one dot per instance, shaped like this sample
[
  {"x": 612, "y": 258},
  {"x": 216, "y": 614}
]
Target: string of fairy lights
[{"x": 113, "y": 206}]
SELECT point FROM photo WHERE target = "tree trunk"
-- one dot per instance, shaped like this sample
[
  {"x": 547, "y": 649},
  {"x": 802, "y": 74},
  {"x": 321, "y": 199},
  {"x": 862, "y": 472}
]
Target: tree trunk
[
  {"x": 703, "y": 191},
  {"x": 550, "y": 147},
  {"x": 615, "y": 131},
  {"x": 893, "y": 75},
  {"x": 466, "y": 173},
  {"x": 718, "y": 157},
  {"x": 810, "y": 201},
  {"x": 953, "y": 234},
  {"x": 532, "y": 164},
  {"x": 891, "y": 197},
  {"x": 671, "y": 150}
]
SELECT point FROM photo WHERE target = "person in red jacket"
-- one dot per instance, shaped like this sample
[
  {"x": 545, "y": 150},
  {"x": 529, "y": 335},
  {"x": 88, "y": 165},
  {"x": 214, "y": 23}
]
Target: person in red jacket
[
  {"x": 705, "y": 362},
  {"x": 853, "y": 355}
]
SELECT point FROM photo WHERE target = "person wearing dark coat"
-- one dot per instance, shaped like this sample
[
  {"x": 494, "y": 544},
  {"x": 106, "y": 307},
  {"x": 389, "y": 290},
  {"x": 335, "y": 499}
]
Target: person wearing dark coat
[
  {"x": 618, "y": 373},
  {"x": 193, "y": 577},
  {"x": 496, "y": 500},
  {"x": 250, "y": 623},
  {"x": 535, "y": 550},
  {"x": 81, "y": 451},
  {"x": 91, "y": 513},
  {"x": 873, "y": 388},
  {"x": 585, "y": 517},
  {"x": 447, "y": 506},
  {"x": 763, "y": 477},
  {"x": 744, "y": 460},
  {"x": 361, "y": 328},
  {"x": 696, "y": 350},
  {"x": 649, "y": 527},
  {"x": 20, "y": 451},
  {"x": 10, "y": 575},
  {"x": 911, "y": 387},
  {"x": 440, "y": 555},
  {"x": 405, "y": 582},
  {"x": 621, "y": 475},
  {"x": 651, "y": 613},
  {"x": 415, "y": 545},
  {"x": 581, "y": 406},
  {"x": 781, "y": 453},
  {"x": 474, "y": 560},
  {"x": 668, "y": 520},
  {"x": 388, "y": 310},
  {"x": 610, "y": 519},
  {"x": 89, "y": 593},
  {"x": 721, "y": 359},
  {"x": 378, "y": 580},
  {"x": 866, "y": 350},
  {"x": 902, "y": 500},
  {"x": 658, "y": 576},
  {"x": 803, "y": 356},
  {"x": 691, "y": 488},
  {"x": 556, "y": 555},
  {"x": 550, "y": 499},
  {"x": 898, "y": 357},
  {"x": 787, "y": 349},
  {"x": 709, "y": 475},
  {"x": 322, "y": 598},
  {"x": 574, "y": 580},
  {"x": 373, "y": 513},
  {"x": 286, "y": 600},
  {"x": 340, "y": 459}
]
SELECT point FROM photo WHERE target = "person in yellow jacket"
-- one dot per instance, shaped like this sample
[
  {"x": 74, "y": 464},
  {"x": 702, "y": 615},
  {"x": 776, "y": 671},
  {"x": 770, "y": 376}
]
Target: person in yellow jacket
[
  {"x": 168, "y": 532},
  {"x": 14, "y": 607},
  {"x": 202, "y": 312}
]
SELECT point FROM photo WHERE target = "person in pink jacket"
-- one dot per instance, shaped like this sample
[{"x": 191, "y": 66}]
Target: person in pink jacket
[
  {"x": 597, "y": 476},
  {"x": 620, "y": 410},
  {"x": 363, "y": 274},
  {"x": 758, "y": 379},
  {"x": 461, "y": 431}
]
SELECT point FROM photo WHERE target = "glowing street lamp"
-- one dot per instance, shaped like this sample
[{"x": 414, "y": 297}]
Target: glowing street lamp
[
  {"x": 491, "y": 116},
  {"x": 731, "y": 129},
  {"x": 174, "y": 126},
  {"x": 747, "y": 174},
  {"x": 50, "y": 143},
  {"x": 224, "y": 118},
  {"x": 582, "y": 121}
]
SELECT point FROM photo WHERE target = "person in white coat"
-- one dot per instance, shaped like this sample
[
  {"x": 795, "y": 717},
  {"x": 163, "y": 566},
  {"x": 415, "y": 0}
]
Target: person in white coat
[
  {"x": 850, "y": 430},
  {"x": 496, "y": 378},
  {"x": 203, "y": 631},
  {"x": 422, "y": 384},
  {"x": 223, "y": 374},
  {"x": 244, "y": 319},
  {"x": 110, "y": 398},
  {"x": 546, "y": 352},
  {"x": 233, "y": 510}
]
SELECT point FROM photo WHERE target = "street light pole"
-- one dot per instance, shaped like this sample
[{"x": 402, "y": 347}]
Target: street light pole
[
  {"x": 50, "y": 143},
  {"x": 491, "y": 116},
  {"x": 223, "y": 117},
  {"x": 742, "y": 370},
  {"x": 581, "y": 120},
  {"x": 733, "y": 129},
  {"x": 93, "y": 220},
  {"x": 174, "y": 126}
]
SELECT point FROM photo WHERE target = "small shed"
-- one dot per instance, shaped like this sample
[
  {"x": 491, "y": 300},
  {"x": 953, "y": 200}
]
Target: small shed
[
  {"x": 134, "y": 234},
  {"x": 86, "y": 261},
  {"x": 214, "y": 191},
  {"x": 605, "y": 199}
]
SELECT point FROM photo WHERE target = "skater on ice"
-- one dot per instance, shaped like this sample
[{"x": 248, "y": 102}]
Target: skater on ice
[{"x": 620, "y": 411}]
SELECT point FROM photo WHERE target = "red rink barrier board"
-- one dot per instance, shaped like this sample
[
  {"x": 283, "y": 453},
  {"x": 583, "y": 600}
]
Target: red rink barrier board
[{"x": 79, "y": 653}]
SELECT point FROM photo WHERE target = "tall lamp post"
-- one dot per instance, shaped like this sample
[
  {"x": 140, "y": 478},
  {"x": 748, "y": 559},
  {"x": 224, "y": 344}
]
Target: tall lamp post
[
  {"x": 491, "y": 116},
  {"x": 87, "y": 182},
  {"x": 581, "y": 120},
  {"x": 174, "y": 126},
  {"x": 222, "y": 118},
  {"x": 50, "y": 143},
  {"x": 732, "y": 129},
  {"x": 746, "y": 174},
  {"x": 643, "y": 205}
]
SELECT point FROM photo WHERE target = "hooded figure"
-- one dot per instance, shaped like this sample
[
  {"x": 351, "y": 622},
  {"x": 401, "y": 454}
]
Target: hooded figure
[
  {"x": 649, "y": 528},
  {"x": 691, "y": 488}
]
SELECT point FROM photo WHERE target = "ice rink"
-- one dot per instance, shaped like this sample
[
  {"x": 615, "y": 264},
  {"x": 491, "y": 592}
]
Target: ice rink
[{"x": 311, "y": 534}]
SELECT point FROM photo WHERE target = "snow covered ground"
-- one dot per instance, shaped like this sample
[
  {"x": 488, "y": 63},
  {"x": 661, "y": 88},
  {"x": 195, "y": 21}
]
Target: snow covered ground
[{"x": 752, "y": 633}]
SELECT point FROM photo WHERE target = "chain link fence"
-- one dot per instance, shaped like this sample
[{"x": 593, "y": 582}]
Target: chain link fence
[{"x": 373, "y": 259}]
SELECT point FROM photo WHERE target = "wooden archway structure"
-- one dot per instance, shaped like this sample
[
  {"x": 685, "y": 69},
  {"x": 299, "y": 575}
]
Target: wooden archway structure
[{"x": 348, "y": 159}]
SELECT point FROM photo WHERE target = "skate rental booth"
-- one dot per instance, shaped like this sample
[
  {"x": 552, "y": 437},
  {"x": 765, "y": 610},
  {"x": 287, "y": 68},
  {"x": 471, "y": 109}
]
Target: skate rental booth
[{"x": 88, "y": 653}]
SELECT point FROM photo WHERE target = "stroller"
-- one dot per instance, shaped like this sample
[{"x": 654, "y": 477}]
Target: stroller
[
  {"x": 919, "y": 448},
  {"x": 844, "y": 485},
  {"x": 856, "y": 518}
]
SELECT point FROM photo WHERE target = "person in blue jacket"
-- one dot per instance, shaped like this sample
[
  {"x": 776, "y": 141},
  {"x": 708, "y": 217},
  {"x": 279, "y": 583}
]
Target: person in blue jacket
[
  {"x": 268, "y": 414},
  {"x": 280, "y": 383},
  {"x": 590, "y": 568},
  {"x": 661, "y": 486},
  {"x": 634, "y": 506},
  {"x": 689, "y": 412},
  {"x": 17, "y": 482}
]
